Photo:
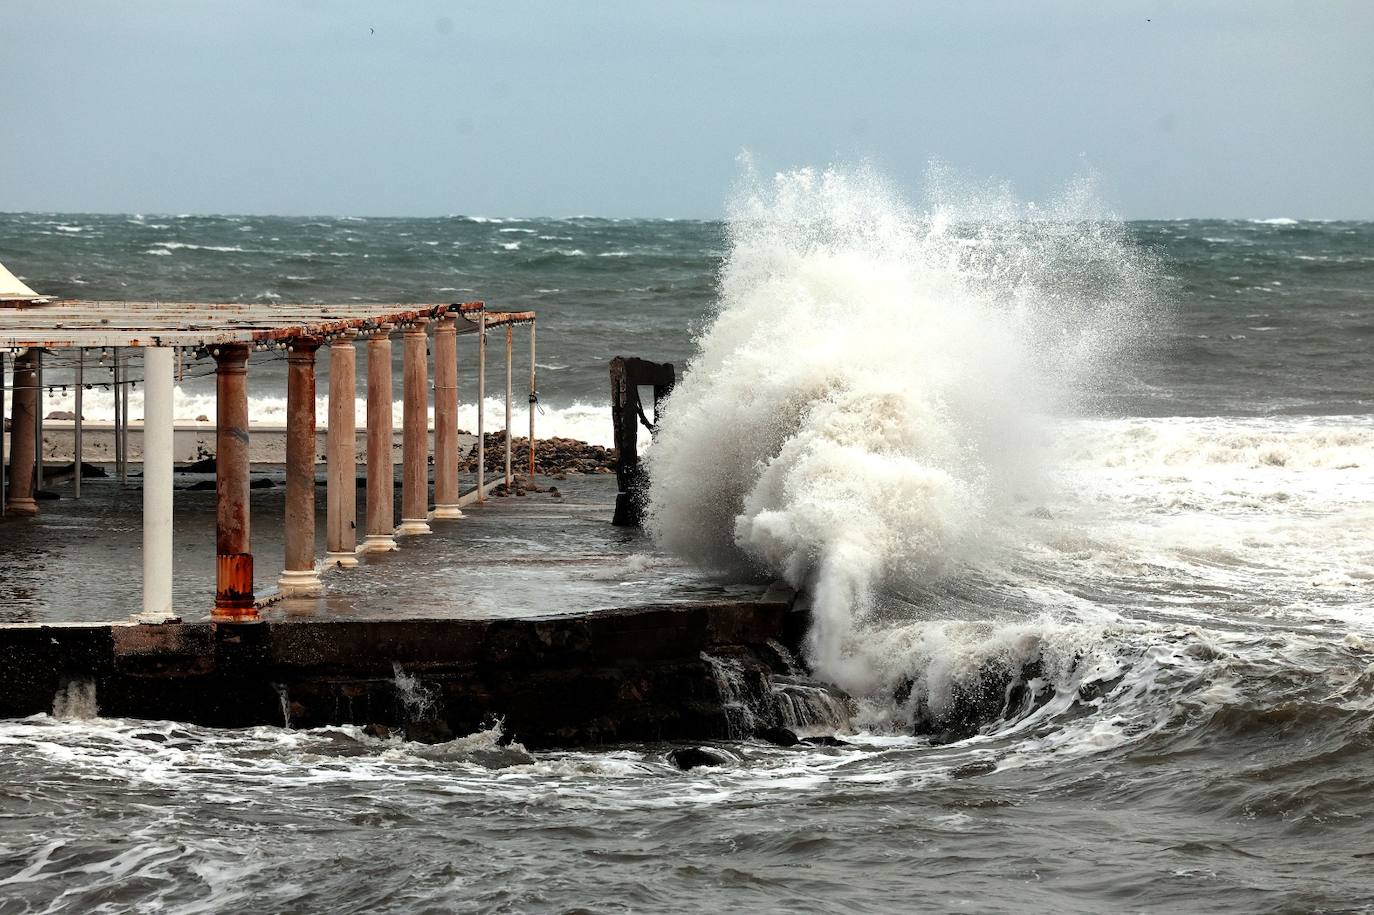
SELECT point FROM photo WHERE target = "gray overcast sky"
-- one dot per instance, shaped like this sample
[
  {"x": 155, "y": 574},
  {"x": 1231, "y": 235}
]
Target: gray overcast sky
[{"x": 1188, "y": 108}]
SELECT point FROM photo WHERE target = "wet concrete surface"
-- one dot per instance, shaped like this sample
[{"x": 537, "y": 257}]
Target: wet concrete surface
[{"x": 516, "y": 556}]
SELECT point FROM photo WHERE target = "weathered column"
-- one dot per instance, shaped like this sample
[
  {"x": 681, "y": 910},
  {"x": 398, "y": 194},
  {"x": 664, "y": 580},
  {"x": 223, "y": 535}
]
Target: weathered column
[
  {"x": 481, "y": 408},
  {"x": 446, "y": 418},
  {"x": 300, "y": 578},
  {"x": 157, "y": 484},
  {"x": 341, "y": 537},
  {"x": 534, "y": 400},
  {"x": 381, "y": 473},
  {"x": 38, "y": 419},
  {"x": 234, "y": 599},
  {"x": 510, "y": 336},
  {"x": 78, "y": 442},
  {"x": 23, "y": 430},
  {"x": 415, "y": 431}
]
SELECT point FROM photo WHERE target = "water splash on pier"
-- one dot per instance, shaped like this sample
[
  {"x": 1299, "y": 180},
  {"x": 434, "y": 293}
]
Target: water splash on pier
[{"x": 868, "y": 406}]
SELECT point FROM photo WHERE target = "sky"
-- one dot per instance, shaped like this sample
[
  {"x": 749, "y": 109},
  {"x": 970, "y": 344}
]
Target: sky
[{"x": 1250, "y": 108}]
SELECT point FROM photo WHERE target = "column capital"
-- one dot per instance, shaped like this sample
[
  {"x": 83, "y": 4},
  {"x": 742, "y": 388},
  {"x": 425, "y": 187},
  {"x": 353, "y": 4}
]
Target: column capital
[
  {"x": 417, "y": 327},
  {"x": 303, "y": 347},
  {"x": 344, "y": 337},
  {"x": 231, "y": 357}
]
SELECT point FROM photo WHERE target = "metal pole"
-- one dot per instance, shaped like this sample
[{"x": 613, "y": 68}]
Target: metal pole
[
  {"x": 124, "y": 419},
  {"x": 481, "y": 407},
  {"x": 534, "y": 401},
  {"x": 76, "y": 422},
  {"x": 38, "y": 421},
  {"x": 157, "y": 484},
  {"x": 118, "y": 439},
  {"x": 510, "y": 336}
]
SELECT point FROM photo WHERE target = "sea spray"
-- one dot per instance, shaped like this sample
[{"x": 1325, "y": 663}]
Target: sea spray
[{"x": 866, "y": 408}]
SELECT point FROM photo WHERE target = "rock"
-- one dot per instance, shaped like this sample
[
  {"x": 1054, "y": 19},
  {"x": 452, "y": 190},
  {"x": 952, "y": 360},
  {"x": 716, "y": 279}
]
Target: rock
[
  {"x": 202, "y": 418},
  {"x": 778, "y": 736},
  {"x": 826, "y": 740},
  {"x": 380, "y": 731},
  {"x": 62, "y": 415},
  {"x": 200, "y": 486},
  {"x": 261, "y": 483},
  {"x": 429, "y": 730},
  {"x": 969, "y": 770},
  {"x": 687, "y": 758},
  {"x": 204, "y": 465}
]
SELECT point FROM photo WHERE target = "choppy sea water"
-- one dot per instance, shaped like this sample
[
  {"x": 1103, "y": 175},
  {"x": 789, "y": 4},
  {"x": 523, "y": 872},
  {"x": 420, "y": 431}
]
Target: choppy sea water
[{"x": 1184, "y": 592}]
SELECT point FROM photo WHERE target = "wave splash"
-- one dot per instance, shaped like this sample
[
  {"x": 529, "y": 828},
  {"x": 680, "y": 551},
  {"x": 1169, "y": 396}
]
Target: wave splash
[{"x": 870, "y": 400}]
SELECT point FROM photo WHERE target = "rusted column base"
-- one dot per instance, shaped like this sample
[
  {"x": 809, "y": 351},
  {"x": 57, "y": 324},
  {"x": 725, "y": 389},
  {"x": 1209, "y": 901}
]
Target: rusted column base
[{"x": 234, "y": 599}]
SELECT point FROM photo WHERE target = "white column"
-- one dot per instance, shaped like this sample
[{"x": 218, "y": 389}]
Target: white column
[{"x": 158, "y": 371}]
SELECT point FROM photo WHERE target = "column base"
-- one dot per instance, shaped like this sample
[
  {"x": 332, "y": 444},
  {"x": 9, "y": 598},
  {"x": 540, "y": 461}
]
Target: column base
[
  {"x": 155, "y": 618},
  {"x": 21, "y": 507},
  {"x": 448, "y": 512},
  {"x": 234, "y": 614},
  {"x": 412, "y": 526},
  {"x": 342, "y": 560},
  {"x": 378, "y": 543},
  {"x": 300, "y": 583}
]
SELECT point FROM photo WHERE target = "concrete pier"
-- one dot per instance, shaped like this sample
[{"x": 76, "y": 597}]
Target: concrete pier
[
  {"x": 300, "y": 578},
  {"x": 381, "y": 473},
  {"x": 341, "y": 518},
  {"x": 234, "y": 599},
  {"x": 632, "y": 674}
]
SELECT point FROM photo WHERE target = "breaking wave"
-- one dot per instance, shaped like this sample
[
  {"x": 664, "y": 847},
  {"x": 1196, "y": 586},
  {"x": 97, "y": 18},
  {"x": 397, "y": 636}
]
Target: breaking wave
[{"x": 869, "y": 407}]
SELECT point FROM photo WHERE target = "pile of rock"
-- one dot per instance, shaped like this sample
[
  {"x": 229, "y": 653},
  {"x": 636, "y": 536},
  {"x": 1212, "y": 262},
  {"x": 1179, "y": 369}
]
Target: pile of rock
[{"x": 552, "y": 456}]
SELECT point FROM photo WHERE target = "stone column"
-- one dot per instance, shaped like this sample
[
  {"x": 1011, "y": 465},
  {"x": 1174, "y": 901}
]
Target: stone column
[
  {"x": 300, "y": 578},
  {"x": 446, "y": 418},
  {"x": 234, "y": 599},
  {"x": 381, "y": 473},
  {"x": 341, "y": 542},
  {"x": 23, "y": 432},
  {"x": 158, "y": 438},
  {"x": 415, "y": 431}
]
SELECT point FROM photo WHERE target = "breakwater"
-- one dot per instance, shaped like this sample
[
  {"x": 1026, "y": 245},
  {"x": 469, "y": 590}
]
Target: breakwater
[{"x": 641, "y": 673}]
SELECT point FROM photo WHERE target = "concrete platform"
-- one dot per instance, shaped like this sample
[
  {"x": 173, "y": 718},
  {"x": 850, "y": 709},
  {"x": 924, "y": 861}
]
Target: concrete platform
[{"x": 80, "y": 561}]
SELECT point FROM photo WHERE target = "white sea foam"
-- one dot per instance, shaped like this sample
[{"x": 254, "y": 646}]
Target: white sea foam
[
  {"x": 865, "y": 407},
  {"x": 583, "y": 421}
]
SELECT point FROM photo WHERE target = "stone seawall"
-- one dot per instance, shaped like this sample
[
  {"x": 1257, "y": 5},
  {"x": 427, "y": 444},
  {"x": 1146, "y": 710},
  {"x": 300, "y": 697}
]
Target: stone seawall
[{"x": 643, "y": 673}]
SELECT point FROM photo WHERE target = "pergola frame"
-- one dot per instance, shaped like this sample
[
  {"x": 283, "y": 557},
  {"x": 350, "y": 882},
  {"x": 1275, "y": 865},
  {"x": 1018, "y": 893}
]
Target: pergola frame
[{"x": 229, "y": 334}]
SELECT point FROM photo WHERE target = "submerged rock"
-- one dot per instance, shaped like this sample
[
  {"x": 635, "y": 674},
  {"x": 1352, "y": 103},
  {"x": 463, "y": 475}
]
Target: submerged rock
[
  {"x": 686, "y": 758},
  {"x": 779, "y": 736},
  {"x": 825, "y": 740}
]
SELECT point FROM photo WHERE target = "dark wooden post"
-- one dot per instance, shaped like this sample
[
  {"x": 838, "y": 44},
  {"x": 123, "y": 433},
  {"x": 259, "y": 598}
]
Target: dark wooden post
[{"x": 627, "y": 412}]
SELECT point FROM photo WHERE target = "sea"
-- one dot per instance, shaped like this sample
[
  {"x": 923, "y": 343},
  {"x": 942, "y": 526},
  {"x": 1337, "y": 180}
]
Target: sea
[{"x": 1082, "y": 508}]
